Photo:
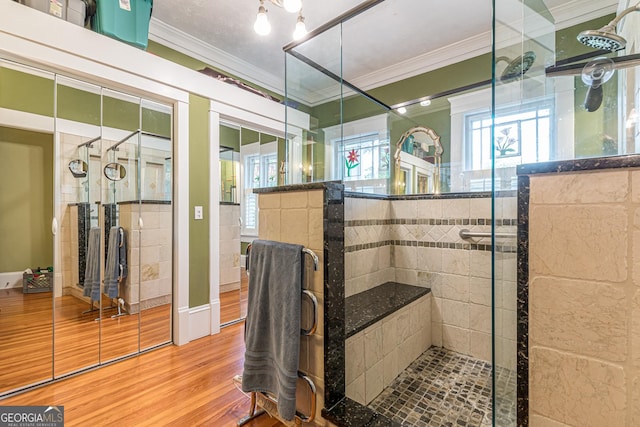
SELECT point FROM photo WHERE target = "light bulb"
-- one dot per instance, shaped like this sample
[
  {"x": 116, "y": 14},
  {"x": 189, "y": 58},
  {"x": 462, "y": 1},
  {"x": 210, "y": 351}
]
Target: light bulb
[
  {"x": 262, "y": 25},
  {"x": 292, "y": 6},
  {"x": 301, "y": 29},
  {"x": 402, "y": 110},
  {"x": 425, "y": 103}
]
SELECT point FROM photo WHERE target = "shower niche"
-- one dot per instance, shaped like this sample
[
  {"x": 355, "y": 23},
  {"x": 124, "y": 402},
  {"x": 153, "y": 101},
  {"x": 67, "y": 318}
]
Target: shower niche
[{"x": 107, "y": 223}]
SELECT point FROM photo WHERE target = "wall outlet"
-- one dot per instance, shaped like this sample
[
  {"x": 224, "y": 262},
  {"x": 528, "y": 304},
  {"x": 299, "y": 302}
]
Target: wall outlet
[{"x": 197, "y": 212}]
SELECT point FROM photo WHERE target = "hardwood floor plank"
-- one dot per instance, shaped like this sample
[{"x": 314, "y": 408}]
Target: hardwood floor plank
[{"x": 179, "y": 386}]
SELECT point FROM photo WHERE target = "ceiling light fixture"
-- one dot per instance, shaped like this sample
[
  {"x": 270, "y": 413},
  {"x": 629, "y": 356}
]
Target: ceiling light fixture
[
  {"x": 402, "y": 110},
  {"x": 301, "y": 29},
  {"x": 263, "y": 27},
  {"x": 425, "y": 103}
]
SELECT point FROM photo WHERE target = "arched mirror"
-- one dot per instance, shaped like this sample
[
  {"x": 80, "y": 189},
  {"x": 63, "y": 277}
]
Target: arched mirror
[{"x": 418, "y": 156}]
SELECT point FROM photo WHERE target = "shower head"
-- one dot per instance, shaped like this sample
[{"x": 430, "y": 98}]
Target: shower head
[
  {"x": 606, "y": 37},
  {"x": 595, "y": 74},
  {"x": 517, "y": 67}
]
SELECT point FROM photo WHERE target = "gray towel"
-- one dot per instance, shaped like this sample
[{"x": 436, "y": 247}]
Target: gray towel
[
  {"x": 116, "y": 268},
  {"x": 92, "y": 266},
  {"x": 272, "y": 327}
]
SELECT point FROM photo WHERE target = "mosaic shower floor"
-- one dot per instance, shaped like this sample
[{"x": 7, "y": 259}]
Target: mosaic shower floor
[{"x": 444, "y": 388}]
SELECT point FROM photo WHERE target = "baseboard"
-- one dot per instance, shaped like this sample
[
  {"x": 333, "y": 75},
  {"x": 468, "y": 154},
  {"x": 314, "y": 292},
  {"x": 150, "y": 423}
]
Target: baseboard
[{"x": 199, "y": 322}]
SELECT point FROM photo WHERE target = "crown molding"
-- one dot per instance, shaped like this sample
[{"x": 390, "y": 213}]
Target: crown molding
[
  {"x": 182, "y": 42},
  {"x": 428, "y": 61},
  {"x": 564, "y": 15}
]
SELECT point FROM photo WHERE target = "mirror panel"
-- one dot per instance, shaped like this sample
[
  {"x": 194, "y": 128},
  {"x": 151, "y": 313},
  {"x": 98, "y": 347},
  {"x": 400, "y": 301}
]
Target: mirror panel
[
  {"x": 120, "y": 292},
  {"x": 230, "y": 275},
  {"x": 77, "y": 331},
  {"x": 26, "y": 241},
  {"x": 156, "y": 268}
]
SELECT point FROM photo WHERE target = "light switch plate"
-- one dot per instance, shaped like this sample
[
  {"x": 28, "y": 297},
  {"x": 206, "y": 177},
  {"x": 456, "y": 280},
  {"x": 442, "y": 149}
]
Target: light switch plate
[{"x": 197, "y": 212}]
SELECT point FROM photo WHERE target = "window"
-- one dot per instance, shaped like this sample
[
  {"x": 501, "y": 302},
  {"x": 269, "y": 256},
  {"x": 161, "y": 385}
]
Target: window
[
  {"x": 523, "y": 134},
  {"x": 251, "y": 181},
  {"x": 363, "y": 157},
  {"x": 260, "y": 170}
]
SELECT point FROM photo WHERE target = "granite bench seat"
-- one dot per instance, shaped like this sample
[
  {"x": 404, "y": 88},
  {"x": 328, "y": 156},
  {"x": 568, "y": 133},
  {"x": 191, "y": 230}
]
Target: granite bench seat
[{"x": 366, "y": 308}]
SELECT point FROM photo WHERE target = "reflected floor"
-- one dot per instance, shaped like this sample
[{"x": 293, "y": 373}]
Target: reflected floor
[
  {"x": 444, "y": 388},
  {"x": 26, "y": 335},
  {"x": 233, "y": 304}
]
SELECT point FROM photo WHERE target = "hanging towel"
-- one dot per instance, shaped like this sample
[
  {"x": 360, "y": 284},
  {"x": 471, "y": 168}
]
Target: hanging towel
[
  {"x": 92, "y": 266},
  {"x": 116, "y": 268},
  {"x": 272, "y": 326}
]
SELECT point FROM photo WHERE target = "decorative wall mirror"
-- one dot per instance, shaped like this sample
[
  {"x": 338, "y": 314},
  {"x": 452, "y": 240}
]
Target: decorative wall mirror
[
  {"x": 114, "y": 171},
  {"x": 78, "y": 168},
  {"x": 420, "y": 151}
]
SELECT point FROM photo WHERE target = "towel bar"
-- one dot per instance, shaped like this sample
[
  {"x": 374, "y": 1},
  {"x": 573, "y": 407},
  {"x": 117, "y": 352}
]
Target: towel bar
[
  {"x": 299, "y": 418},
  {"x": 254, "y": 412},
  {"x": 309, "y": 252}
]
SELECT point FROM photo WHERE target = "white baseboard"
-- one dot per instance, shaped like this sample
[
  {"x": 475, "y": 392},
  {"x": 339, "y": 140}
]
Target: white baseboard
[{"x": 199, "y": 322}]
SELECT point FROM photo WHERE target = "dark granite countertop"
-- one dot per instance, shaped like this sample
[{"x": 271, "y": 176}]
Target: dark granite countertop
[
  {"x": 441, "y": 196},
  {"x": 348, "y": 413},
  {"x": 145, "y": 202},
  {"x": 595, "y": 163},
  {"x": 301, "y": 187},
  {"x": 229, "y": 204},
  {"x": 366, "y": 308}
]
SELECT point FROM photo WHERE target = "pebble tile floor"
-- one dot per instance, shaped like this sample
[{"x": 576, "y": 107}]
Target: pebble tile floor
[{"x": 444, "y": 388}]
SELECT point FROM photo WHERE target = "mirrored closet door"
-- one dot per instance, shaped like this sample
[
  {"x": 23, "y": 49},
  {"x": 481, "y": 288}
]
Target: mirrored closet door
[
  {"x": 26, "y": 226},
  {"x": 86, "y": 225},
  {"x": 230, "y": 268},
  {"x": 77, "y": 330}
]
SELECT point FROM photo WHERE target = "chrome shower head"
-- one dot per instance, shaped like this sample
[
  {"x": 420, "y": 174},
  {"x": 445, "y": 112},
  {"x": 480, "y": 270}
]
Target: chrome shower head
[
  {"x": 605, "y": 39},
  {"x": 595, "y": 74},
  {"x": 517, "y": 67}
]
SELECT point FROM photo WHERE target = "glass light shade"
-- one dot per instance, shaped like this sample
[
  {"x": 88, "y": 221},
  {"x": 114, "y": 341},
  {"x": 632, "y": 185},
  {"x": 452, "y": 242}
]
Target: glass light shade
[
  {"x": 262, "y": 25},
  {"x": 292, "y": 6},
  {"x": 300, "y": 31},
  {"x": 402, "y": 110}
]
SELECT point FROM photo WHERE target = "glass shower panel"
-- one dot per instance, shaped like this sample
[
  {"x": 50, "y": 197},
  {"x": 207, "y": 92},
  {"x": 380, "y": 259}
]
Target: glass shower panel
[
  {"x": 155, "y": 207},
  {"x": 313, "y": 78},
  {"x": 29, "y": 272},
  {"x": 121, "y": 170},
  {"x": 77, "y": 333},
  {"x": 524, "y": 130}
]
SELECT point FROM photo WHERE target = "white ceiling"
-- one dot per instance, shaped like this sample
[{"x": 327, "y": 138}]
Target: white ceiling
[{"x": 393, "y": 40}]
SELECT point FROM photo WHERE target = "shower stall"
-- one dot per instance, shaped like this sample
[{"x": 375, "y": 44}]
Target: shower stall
[{"x": 425, "y": 115}]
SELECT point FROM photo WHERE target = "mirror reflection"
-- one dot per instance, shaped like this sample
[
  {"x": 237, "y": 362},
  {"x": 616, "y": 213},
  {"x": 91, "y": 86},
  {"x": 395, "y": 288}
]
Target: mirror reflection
[
  {"x": 115, "y": 171},
  {"x": 89, "y": 278},
  {"x": 78, "y": 168}
]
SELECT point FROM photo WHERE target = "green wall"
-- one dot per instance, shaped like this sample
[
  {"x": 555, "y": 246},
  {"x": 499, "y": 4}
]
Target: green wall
[
  {"x": 26, "y": 199},
  {"x": 199, "y": 196},
  {"x": 26, "y": 92},
  {"x": 230, "y": 137},
  {"x": 78, "y": 105}
]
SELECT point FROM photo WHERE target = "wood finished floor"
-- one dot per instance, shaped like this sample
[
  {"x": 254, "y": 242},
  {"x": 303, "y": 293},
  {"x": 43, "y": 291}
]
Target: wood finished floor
[
  {"x": 171, "y": 386},
  {"x": 233, "y": 304},
  {"x": 27, "y": 342}
]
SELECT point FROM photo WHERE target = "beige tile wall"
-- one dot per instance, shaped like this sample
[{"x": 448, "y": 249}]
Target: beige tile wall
[
  {"x": 460, "y": 279},
  {"x": 584, "y": 299},
  {"x": 297, "y": 217},
  {"x": 229, "y": 247},
  {"x": 376, "y": 356},
  {"x": 149, "y": 282}
]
